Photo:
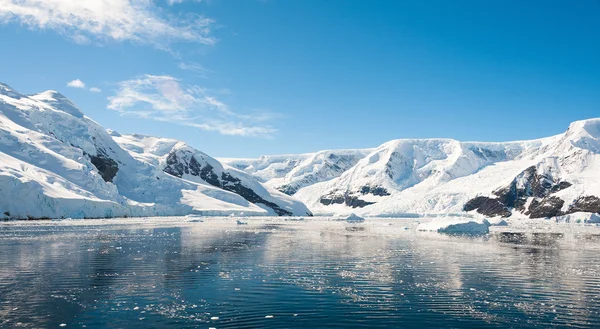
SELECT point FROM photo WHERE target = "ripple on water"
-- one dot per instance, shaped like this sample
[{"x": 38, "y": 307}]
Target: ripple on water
[{"x": 293, "y": 275}]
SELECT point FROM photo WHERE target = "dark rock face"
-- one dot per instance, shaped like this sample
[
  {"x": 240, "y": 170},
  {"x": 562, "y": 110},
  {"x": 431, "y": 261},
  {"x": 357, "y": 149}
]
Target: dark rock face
[
  {"x": 547, "y": 207},
  {"x": 585, "y": 204},
  {"x": 187, "y": 164},
  {"x": 538, "y": 186},
  {"x": 351, "y": 199},
  {"x": 488, "y": 207},
  {"x": 348, "y": 200},
  {"x": 288, "y": 189},
  {"x": 375, "y": 190},
  {"x": 106, "y": 166}
]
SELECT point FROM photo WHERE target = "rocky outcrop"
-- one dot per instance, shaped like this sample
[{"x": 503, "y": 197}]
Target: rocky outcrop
[
  {"x": 374, "y": 190},
  {"x": 107, "y": 167},
  {"x": 348, "y": 200},
  {"x": 528, "y": 184},
  {"x": 352, "y": 199},
  {"x": 585, "y": 204},
  {"x": 488, "y": 207},
  {"x": 547, "y": 207},
  {"x": 180, "y": 162}
]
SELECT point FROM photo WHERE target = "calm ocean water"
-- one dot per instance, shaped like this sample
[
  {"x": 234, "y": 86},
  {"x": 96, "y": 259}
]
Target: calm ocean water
[{"x": 278, "y": 274}]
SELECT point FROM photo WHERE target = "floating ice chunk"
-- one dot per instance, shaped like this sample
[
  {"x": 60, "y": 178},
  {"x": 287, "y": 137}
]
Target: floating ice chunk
[
  {"x": 214, "y": 318},
  {"x": 497, "y": 222},
  {"x": 456, "y": 226},
  {"x": 353, "y": 218},
  {"x": 593, "y": 219},
  {"x": 62, "y": 325},
  {"x": 268, "y": 316}
]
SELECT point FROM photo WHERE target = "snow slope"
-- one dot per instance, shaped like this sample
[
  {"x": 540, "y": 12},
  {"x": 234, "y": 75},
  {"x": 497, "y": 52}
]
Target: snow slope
[
  {"x": 290, "y": 173},
  {"x": 56, "y": 162},
  {"x": 539, "y": 178}
]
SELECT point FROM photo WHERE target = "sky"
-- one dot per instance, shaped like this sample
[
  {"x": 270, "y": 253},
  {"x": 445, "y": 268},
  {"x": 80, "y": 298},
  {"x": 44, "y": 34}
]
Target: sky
[{"x": 244, "y": 78}]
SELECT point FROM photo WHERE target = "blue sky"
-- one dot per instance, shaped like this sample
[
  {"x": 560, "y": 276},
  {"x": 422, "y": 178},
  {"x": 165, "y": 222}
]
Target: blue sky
[{"x": 243, "y": 78}]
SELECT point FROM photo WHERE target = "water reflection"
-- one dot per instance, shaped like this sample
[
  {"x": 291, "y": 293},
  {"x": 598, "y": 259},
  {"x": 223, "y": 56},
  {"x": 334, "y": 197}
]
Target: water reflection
[{"x": 293, "y": 274}]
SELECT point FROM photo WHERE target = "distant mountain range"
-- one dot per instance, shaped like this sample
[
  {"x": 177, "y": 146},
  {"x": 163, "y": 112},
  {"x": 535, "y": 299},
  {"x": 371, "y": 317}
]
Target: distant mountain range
[
  {"x": 540, "y": 178},
  {"x": 55, "y": 163}
]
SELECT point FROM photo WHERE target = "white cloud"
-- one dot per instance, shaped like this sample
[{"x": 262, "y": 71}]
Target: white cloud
[
  {"x": 165, "y": 98},
  {"x": 100, "y": 21},
  {"x": 172, "y": 2},
  {"x": 193, "y": 67},
  {"x": 95, "y": 90},
  {"x": 76, "y": 84}
]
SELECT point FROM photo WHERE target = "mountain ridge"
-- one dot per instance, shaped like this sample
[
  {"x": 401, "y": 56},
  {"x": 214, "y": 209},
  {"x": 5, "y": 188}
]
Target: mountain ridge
[
  {"x": 59, "y": 163},
  {"x": 444, "y": 176}
]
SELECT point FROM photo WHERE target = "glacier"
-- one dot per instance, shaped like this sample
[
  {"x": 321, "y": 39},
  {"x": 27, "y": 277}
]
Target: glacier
[
  {"x": 56, "y": 163},
  {"x": 542, "y": 178}
]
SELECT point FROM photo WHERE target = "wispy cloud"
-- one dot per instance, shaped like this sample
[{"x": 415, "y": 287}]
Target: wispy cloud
[
  {"x": 165, "y": 98},
  {"x": 76, "y": 84},
  {"x": 95, "y": 90},
  {"x": 193, "y": 67},
  {"x": 100, "y": 21}
]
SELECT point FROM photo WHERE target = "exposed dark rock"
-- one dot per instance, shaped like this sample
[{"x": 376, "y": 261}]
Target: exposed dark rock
[
  {"x": 588, "y": 203},
  {"x": 177, "y": 166},
  {"x": 375, "y": 190},
  {"x": 530, "y": 184},
  {"x": 560, "y": 186},
  {"x": 548, "y": 207},
  {"x": 106, "y": 166},
  {"x": 355, "y": 202},
  {"x": 487, "y": 206},
  {"x": 535, "y": 185},
  {"x": 348, "y": 200},
  {"x": 328, "y": 200},
  {"x": 287, "y": 189}
]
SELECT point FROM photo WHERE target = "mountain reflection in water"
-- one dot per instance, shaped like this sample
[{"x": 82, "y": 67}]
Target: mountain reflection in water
[{"x": 284, "y": 274}]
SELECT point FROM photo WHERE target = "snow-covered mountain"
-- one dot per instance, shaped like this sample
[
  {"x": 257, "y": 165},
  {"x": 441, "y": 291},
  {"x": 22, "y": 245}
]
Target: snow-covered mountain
[
  {"x": 56, "y": 162},
  {"x": 290, "y": 173},
  {"x": 539, "y": 178}
]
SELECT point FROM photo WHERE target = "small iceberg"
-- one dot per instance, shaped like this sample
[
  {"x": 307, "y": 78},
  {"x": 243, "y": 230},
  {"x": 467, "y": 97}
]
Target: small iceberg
[
  {"x": 353, "y": 218},
  {"x": 294, "y": 219},
  {"x": 497, "y": 222},
  {"x": 456, "y": 226},
  {"x": 193, "y": 218}
]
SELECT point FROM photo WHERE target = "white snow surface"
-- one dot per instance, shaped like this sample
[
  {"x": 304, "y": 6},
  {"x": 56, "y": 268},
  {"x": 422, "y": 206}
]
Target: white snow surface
[
  {"x": 417, "y": 177},
  {"x": 45, "y": 169},
  {"x": 46, "y": 145}
]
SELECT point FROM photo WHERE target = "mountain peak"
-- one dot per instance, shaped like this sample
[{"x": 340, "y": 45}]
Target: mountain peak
[
  {"x": 58, "y": 101},
  {"x": 8, "y": 91},
  {"x": 589, "y": 128}
]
